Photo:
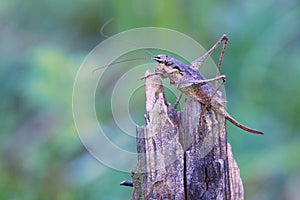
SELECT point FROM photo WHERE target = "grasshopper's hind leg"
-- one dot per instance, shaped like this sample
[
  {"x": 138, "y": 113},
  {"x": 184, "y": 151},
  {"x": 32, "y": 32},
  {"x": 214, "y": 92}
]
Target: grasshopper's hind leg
[
  {"x": 196, "y": 64},
  {"x": 222, "y": 54},
  {"x": 224, "y": 37}
]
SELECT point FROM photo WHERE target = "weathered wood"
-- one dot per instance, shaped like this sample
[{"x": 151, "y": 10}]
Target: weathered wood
[{"x": 175, "y": 160}]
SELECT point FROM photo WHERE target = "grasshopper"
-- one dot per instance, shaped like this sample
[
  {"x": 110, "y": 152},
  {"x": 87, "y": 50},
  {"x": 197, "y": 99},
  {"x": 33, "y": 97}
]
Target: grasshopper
[{"x": 190, "y": 82}]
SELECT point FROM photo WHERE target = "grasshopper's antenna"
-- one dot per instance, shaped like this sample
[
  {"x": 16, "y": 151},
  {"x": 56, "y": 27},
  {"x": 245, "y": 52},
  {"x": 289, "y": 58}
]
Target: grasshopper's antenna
[
  {"x": 106, "y": 36},
  {"x": 103, "y": 26},
  {"x": 101, "y": 31},
  {"x": 114, "y": 63}
]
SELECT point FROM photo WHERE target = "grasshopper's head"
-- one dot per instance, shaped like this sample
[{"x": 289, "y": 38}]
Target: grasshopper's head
[
  {"x": 163, "y": 59},
  {"x": 165, "y": 65},
  {"x": 168, "y": 64},
  {"x": 170, "y": 68}
]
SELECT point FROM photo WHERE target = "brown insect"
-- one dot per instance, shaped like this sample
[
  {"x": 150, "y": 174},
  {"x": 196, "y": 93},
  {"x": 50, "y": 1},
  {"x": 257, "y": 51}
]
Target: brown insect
[{"x": 190, "y": 82}]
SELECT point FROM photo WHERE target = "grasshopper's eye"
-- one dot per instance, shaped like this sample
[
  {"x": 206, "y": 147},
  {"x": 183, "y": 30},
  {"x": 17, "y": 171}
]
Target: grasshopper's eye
[
  {"x": 168, "y": 63},
  {"x": 159, "y": 59}
]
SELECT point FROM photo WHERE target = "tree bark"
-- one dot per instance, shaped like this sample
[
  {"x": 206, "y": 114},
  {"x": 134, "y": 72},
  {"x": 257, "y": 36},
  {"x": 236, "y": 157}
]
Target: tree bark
[{"x": 178, "y": 161}]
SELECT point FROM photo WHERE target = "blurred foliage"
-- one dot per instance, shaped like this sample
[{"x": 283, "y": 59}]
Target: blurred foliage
[{"x": 44, "y": 42}]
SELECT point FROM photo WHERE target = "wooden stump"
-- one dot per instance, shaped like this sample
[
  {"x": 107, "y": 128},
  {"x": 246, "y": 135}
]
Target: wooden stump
[{"x": 175, "y": 159}]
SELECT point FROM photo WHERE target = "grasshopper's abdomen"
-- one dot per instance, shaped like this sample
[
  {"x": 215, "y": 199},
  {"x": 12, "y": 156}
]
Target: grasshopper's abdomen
[{"x": 205, "y": 94}]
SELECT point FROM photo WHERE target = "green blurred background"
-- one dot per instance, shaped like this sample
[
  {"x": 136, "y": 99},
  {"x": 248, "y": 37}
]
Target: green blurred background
[{"x": 44, "y": 42}]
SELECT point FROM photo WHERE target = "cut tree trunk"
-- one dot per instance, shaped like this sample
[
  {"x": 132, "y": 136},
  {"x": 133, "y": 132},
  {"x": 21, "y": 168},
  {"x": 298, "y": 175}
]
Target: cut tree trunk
[{"x": 178, "y": 161}]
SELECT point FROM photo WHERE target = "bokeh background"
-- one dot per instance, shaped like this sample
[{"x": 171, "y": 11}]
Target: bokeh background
[{"x": 44, "y": 42}]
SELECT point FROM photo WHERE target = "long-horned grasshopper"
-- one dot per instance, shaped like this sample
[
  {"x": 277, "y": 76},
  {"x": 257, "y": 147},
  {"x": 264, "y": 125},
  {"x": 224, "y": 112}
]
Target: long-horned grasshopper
[{"x": 190, "y": 82}]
